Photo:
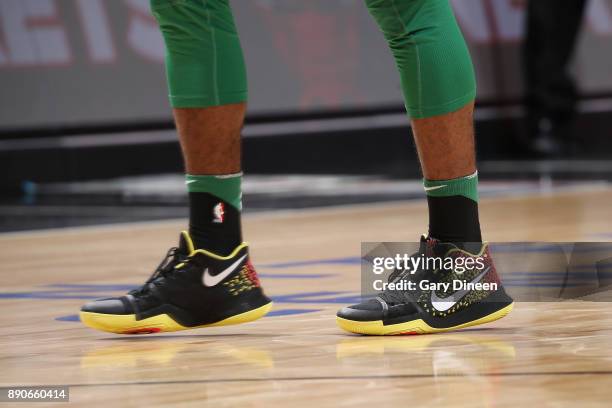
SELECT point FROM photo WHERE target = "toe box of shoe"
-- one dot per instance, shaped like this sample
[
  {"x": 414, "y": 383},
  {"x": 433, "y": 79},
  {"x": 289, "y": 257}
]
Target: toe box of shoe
[
  {"x": 116, "y": 306},
  {"x": 366, "y": 311}
]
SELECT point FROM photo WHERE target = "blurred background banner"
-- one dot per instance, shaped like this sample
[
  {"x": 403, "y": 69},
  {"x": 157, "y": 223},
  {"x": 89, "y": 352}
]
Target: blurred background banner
[{"x": 89, "y": 62}]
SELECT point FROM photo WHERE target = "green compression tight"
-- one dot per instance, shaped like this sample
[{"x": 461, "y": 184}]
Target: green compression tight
[
  {"x": 205, "y": 65},
  {"x": 435, "y": 66},
  {"x": 204, "y": 61}
]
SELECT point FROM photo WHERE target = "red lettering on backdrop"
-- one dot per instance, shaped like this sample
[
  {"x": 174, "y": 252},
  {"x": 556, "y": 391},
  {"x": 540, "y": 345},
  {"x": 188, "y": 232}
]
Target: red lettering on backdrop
[
  {"x": 97, "y": 31},
  {"x": 33, "y": 34},
  {"x": 143, "y": 34}
]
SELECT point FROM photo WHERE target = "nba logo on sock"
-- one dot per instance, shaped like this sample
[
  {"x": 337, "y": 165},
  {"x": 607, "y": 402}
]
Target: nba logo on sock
[{"x": 218, "y": 213}]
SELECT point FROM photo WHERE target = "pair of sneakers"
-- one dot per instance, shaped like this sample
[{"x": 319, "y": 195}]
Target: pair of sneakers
[{"x": 193, "y": 288}]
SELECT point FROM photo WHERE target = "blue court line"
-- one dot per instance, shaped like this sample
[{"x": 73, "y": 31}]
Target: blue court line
[
  {"x": 290, "y": 312},
  {"x": 318, "y": 297},
  {"x": 69, "y": 318},
  {"x": 91, "y": 287},
  {"x": 352, "y": 260}
]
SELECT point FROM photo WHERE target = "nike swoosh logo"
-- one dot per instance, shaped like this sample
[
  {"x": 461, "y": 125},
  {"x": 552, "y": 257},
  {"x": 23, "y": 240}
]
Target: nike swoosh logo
[
  {"x": 210, "y": 280},
  {"x": 190, "y": 181},
  {"x": 434, "y": 188},
  {"x": 443, "y": 304}
]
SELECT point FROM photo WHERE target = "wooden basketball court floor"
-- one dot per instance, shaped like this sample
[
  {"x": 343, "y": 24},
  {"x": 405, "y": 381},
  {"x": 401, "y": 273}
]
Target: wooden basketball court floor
[{"x": 543, "y": 354}]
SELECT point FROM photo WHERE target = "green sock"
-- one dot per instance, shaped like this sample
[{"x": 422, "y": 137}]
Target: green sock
[
  {"x": 464, "y": 186},
  {"x": 226, "y": 187},
  {"x": 453, "y": 209},
  {"x": 436, "y": 71},
  {"x": 214, "y": 211}
]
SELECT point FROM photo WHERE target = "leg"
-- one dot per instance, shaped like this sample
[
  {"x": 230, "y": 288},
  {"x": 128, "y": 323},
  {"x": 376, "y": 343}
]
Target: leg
[
  {"x": 447, "y": 153},
  {"x": 210, "y": 138},
  {"x": 208, "y": 280},
  {"x": 439, "y": 88},
  {"x": 208, "y": 91},
  {"x": 210, "y": 141}
]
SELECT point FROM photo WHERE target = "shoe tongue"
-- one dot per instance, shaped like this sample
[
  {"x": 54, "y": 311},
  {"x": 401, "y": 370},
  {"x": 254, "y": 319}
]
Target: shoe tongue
[
  {"x": 433, "y": 247},
  {"x": 185, "y": 246},
  {"x": 436, "y": 248}
]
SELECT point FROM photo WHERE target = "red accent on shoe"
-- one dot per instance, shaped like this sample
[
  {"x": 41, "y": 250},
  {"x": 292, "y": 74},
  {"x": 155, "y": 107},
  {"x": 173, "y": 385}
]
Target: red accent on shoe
[
  {"x": 252, "y": 274},
  {"x": 144, "y": 330}
]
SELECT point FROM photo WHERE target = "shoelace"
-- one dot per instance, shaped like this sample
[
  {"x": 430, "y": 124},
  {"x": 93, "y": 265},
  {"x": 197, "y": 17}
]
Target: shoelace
[
  {"x": 163, "y": 270},
  {"x": 401, "y": 296}
]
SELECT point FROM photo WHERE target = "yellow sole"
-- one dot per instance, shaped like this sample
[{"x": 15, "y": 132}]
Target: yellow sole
[
  {"x": 127, "y": 324},
  {"x": 377, "y": 328}
]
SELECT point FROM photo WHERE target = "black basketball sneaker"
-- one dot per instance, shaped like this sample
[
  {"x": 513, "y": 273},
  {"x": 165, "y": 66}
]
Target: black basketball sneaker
[
  {"x": 437, "y": 300},
  {"x": 191, "y": 288}
]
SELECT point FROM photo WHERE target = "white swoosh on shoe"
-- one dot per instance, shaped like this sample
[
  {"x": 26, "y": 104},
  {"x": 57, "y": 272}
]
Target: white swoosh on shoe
[
  {"x": 210, "y": 280},
  {"x": 443, "y": 304}
]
